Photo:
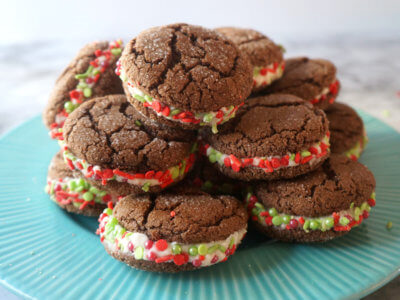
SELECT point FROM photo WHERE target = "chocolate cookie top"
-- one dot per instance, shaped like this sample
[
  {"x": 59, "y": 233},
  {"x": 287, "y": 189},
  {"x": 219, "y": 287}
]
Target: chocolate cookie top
[
  {"x": 188, "y": 67},
  {"x": 101, "y": 84},
  {"x": 305, "y": 78},
  {"x": 198, "y": 217},
  {"x": 270, "y": 125},
  {"x": 109, "y": 132},
  {"x": 261, "y": 50},
  {"x": 345, "y": 125},
  {"x": 339, "y": 182}
]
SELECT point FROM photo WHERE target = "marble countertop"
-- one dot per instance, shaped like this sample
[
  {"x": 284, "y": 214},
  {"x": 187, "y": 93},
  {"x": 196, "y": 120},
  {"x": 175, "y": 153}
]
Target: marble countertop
[{"x": 368, "y": 68}]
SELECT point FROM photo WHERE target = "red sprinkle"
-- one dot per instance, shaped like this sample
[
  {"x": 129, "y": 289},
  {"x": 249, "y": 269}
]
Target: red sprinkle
[
  {"x": 297, "y": 158},
  {"x": 180, "y": 259},
  {"x": 306, "y": 159},
  {"x": 172, "y": 214},
  {"x": 227, "y": 162},
  {"x": 365, "y": 214},
  {"x": 161, "y": 245},
  {"x": 164, "y": 258},
  {"x": 131, "y": 247},
  {"x": 148, "y": 244},
  {"x": 301, "y": 220},
  {"x": 313, "y": 150},
  {"x": 371, "y": 202},
  {"x": 275, "y": 162},
  {"x": 110, "y": 205},
  {"x": 151, "y": 255}
]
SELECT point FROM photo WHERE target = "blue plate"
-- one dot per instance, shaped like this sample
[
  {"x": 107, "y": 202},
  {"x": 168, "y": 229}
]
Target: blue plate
[{"x": 47, "y": 253}]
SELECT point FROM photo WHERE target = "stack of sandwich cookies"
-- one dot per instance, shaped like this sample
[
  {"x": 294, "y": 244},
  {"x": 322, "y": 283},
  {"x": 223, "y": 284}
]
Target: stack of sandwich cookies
[
  {"x": 348, "y": 135},
  {"x": 316, "y": 207},
  {"x": 313, "y": 80},
  {"x": 185, "y": 76},
  {"x": 272, "y": 137},
  {"x": 90, "y": 74},
  {"x": 105, "y": 141},
  {"x": 75, "y": 194},
  {"x": 173, "y": 232},
  {"x": 265, "y": 56}
]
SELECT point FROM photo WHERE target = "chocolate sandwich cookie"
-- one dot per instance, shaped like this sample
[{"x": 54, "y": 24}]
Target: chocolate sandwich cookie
[
  {"x": 316, "y": 207},
  {"x": 313, "y": 80},
  {"x": 185, "y": 76},
  {"x": 73, "y": 194},
  {"x": 348, "y": 135},
  {"x": 90, "y": 74},
  {"x": 106, "y": 140},
  {"x": 173, "y": 232},
  {"x": 265, "y": 56},
  {"x": 272, "y": 137}
]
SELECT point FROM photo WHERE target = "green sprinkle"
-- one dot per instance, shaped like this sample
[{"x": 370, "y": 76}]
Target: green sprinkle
[
  {"x": 69, "y": 106},
  {"x": 256, "y": 71},
  {"x": 138, "y": 123},
  {"x": 113, "y": 221},
  {"x": 305, "y": 153},
  {"x": 81, "y": 85},
  {"x": 174, "y": 172},
  {"x": 351, "y": 205},
  {"x": 344, "y": 221},
  {"x": 208, "y": 117},
  {"x": 102, "y": 193},
  {"x": 87, "y": 92},
  {"x": 231, "y": 242},
  {"x": 259, "y": 205},
  {"x": 306, "y": 225},
  {"x": 81, "y": 182},
  {"x": 364, "y": 206},
  {"x": 72, "y": 185},
  {"x": 94, "y": 190},
  {"x": 79, "y": 189},
  {"x": 176, "y": 249},
  {"x": 292, "y": 156},
  {"x": 193, "y": 251},
  {"x": 286, "y": 219},
  {"x": 140, "y": 98},
  {"x": 357, "y": 213},
  {"x": 314, "y": 224},
  {"x": 329, "y": 222},
  {"x": 116, "y": 51},
  {"x": 88, "y": 196},
  {"x": 146, "y": 186},
  {"x": 255, "y": 211},
  {"x": 108, "y": 211},
  {"x": 277, "y": 220},
  {"x": 97, "y": 71},
  {"x": 202, "y": 249},
  {"x": 212, "y": 158},
  {"x": 208, "y": 185},
  {"x": 389, "y": 225},
  {"x": 212, "y": 249},
  {"x": 148, "y": 98},
  {"x": 373, "y": 195},
  {"x": 175, "y": 112},
  {"x": 81, "y": 76},
  {"x": 272, "y": 212},
  {"x": 194, "y": 148},
  {"x": 222, "y": 248},
  {"x": 214, "y": 128},
  {"x": 182, "y": 170},
  {"x": 139, "y": 252}
]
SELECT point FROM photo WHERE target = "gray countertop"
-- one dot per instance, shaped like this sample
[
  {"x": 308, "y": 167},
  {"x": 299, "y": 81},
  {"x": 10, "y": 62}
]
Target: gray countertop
[{"x": 368, "y": 68}]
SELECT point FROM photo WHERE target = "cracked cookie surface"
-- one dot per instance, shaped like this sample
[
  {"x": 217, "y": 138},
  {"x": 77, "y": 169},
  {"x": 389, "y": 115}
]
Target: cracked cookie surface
[
  {"x": 188, "y": 67},
  {"x": 199, "y": 217},
  {"x": 108, "y": 83},
  {"x": 260, "y": 49},
  {"x": 270, "y": 125},
  {"x": 346, "y": 127},
  {"x": 305, "y": 78},
  {"x": 106, "y": 132},
  {"x": 339, "y": 182}
]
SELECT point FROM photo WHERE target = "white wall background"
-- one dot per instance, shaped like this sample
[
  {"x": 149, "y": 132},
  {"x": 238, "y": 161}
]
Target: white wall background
[{"x": 27, "y": 20}]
